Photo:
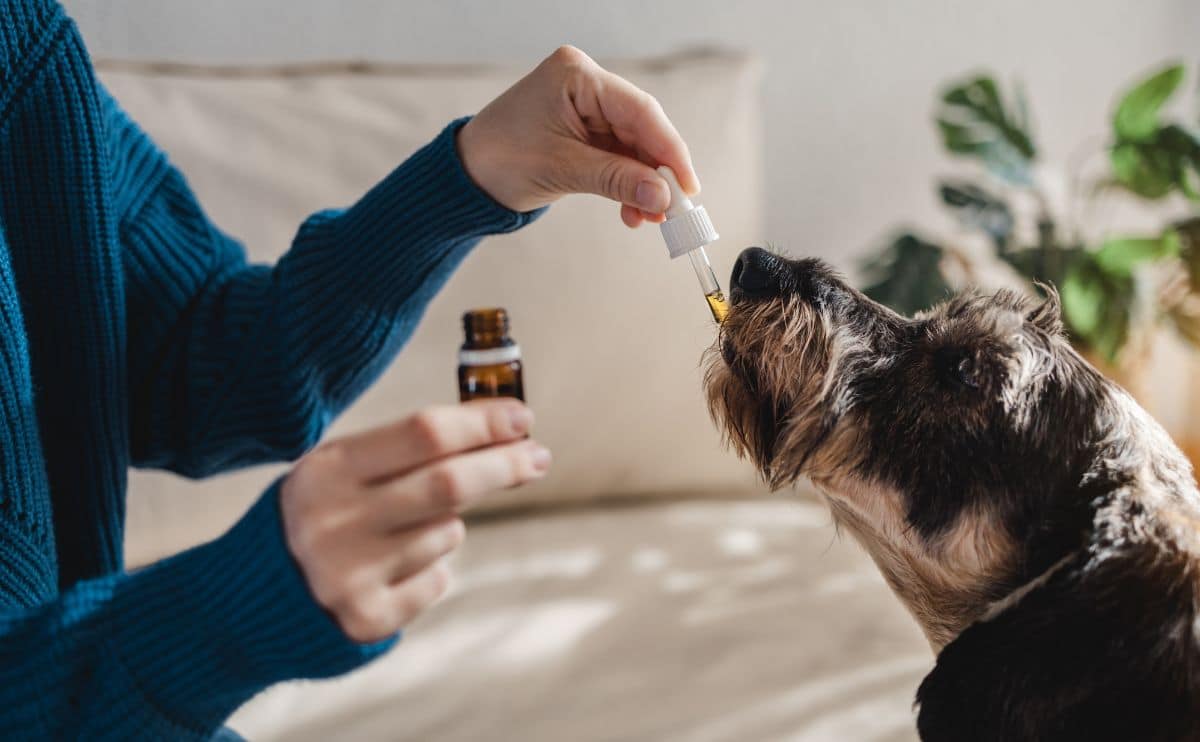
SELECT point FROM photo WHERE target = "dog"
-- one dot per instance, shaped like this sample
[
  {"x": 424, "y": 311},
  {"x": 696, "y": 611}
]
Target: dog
[{"x": 1041, "y": 528}]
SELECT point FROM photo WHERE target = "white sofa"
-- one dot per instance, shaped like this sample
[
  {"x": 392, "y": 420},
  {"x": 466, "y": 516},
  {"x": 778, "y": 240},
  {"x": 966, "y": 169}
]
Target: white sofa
[{"x": 648, "y": 589}]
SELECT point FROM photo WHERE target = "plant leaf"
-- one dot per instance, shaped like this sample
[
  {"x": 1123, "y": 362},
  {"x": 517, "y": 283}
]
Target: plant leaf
[
  {"x": 1136, "y": 117},
  {"x": 1170, "y": 158},
  {"x": 1082, "y": 302},
  {"x": 979, "y": 209},
  {"x": 1110, "y": 337},
  {"x": 1042, "y": 264},
  {"x": 974, "y": 122},
  {"x": 1021, "y": 117},
  {"x": 907, "y": 275},
  {"x": 1120, "y": 255},
  {"x": 1183, "y": 143},
  {"x": 1185, "y": 314},
  {"x": 1188, "y": 233},
  {"x": 1142, "y": 169},
  {"x": 1097, "y": 305},
  {"x": 1098, "y": 290}
]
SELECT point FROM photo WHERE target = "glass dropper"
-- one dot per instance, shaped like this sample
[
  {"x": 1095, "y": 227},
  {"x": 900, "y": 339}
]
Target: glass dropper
[
  {"x": 687, "y": 230},
  {"x": 717, "y": 304}
]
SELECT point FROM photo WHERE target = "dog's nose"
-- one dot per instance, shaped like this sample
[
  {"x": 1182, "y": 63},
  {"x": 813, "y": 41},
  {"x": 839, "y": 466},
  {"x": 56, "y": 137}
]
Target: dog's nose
[{"x": 756, "y": 273}]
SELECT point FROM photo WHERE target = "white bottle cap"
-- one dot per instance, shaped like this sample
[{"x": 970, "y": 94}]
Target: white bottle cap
[{"x": 687, "y": 226}]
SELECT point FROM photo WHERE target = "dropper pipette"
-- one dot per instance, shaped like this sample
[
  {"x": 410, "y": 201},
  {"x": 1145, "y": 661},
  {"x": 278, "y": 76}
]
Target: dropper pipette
[{"x": 686, "y": 231}]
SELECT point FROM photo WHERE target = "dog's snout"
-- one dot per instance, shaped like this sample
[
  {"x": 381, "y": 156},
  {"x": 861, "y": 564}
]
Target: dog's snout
[{"x": 757, "y": 273}]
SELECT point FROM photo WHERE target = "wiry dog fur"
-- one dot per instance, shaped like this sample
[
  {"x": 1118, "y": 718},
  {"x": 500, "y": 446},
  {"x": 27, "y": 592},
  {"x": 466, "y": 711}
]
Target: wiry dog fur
[{"x": 1040, "y": 527}]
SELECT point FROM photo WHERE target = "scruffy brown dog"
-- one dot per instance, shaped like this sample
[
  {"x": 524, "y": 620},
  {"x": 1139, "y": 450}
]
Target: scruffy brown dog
[{"x": 1040, "y": 527}]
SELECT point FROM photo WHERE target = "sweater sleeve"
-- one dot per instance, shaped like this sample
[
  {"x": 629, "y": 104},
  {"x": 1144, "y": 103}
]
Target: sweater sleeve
[
  {"x": 170, "y": 651},
  {"x": 234, "y": 364}
]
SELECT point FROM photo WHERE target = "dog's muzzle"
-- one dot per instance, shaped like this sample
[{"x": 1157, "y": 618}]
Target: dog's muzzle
[{"x": 757, "y": 274}]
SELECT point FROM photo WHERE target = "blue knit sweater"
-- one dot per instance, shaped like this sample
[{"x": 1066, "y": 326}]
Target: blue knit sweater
[{"x": 133, "y": 332}]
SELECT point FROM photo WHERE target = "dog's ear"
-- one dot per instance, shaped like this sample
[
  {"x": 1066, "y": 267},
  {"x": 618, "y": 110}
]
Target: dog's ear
[
  {"x": 1048, "y": 314},
  {"x": 1094, "y": 653}
]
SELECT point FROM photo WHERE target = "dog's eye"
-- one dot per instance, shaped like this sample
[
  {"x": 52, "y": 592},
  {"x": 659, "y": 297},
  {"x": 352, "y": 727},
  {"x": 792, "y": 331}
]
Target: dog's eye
[{"x": 957, "y": 367}]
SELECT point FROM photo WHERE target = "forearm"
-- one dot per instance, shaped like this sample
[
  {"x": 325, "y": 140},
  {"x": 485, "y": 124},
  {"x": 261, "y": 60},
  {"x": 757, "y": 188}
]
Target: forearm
[
  {"x": 357, "y": 281},
  {"x": 170, "y": 651},
  {"x": 261, "y": 358}
]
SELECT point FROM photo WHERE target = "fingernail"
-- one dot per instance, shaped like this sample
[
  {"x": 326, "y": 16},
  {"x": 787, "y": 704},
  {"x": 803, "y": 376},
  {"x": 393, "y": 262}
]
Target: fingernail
[
  {"x": 521, "y": 419},
  {"x": 653, "y": 196},
  {"x": 540, "y": 458}
]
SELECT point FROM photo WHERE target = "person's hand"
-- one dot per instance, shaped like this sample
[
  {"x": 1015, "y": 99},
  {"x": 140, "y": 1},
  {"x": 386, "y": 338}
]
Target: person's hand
[
  {"x": 369, "y": 517},
  {"x": 572, "y": 127}
]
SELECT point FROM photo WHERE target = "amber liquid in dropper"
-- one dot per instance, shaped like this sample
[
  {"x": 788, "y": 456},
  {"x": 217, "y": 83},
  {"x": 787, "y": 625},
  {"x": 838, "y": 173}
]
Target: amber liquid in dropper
[{"x": 718, "y": 305}]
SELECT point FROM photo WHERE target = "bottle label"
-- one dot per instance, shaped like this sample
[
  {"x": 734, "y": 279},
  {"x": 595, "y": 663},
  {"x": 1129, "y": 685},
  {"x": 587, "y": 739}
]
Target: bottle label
[{"x": 490, "y": 356}]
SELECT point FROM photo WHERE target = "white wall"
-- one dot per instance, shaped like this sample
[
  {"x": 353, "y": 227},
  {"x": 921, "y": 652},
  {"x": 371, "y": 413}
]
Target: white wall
[{"x": 849, "y": 144}]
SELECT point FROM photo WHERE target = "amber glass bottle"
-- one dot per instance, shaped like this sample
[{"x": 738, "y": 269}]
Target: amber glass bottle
[{"x": 489, "y": 363}]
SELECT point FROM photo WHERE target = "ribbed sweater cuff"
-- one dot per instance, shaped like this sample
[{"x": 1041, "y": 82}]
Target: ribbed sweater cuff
[{"x": 207, "y": 629}]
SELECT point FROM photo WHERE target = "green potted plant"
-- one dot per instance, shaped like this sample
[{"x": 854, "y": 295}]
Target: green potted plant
[{"x": 1112, "y": 285}]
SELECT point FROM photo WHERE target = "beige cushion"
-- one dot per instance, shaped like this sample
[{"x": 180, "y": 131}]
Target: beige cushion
[
  {"x": 695, "y": 621},
  {"x": 611, "y": 328}
]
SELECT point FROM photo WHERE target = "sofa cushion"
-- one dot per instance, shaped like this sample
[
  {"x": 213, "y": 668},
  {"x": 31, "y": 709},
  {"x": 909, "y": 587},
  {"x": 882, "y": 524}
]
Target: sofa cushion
[
  {"x": 701, "y": 621},
  {"x": 612, "y": 329}
]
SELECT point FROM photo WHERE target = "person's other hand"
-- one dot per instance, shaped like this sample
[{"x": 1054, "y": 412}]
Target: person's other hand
[
  {"x": 369, "y": 517},
  {"x": 570, "y": 126}
]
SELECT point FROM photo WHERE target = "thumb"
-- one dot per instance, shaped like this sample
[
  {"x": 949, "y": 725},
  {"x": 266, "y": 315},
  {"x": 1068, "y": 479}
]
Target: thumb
[{"x": 618, "y": 177}]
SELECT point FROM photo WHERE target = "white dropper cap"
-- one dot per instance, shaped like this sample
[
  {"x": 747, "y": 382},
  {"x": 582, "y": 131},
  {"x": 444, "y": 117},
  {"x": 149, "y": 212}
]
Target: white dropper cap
[{"x": 687, "y": 226}]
